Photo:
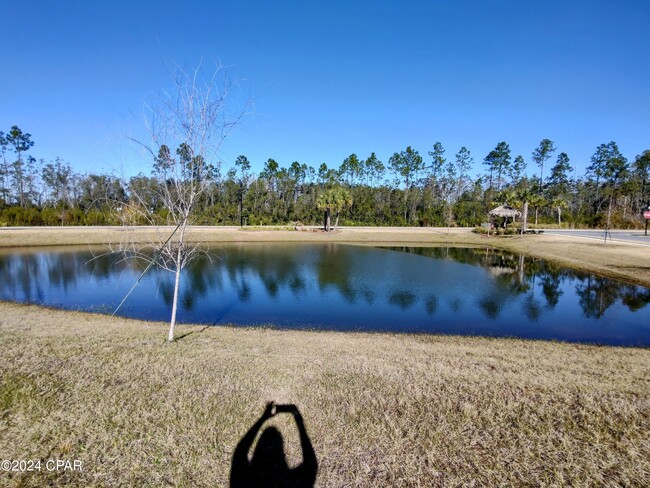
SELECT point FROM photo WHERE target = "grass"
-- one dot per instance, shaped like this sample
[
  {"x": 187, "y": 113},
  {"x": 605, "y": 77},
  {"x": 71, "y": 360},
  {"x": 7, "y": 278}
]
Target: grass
[{"x": 380, "y": 409}]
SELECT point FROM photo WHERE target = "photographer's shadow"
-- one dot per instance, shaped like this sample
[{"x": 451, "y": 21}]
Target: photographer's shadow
[{"x": 269, "y": 467}]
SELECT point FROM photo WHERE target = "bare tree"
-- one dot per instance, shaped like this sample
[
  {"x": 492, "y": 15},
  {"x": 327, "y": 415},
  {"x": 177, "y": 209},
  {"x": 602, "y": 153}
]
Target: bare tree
[{"x": 187, "y": 128}]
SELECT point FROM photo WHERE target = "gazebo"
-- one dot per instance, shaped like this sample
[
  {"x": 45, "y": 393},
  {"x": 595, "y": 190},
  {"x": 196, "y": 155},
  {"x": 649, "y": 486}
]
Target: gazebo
[{"x": 505, "y": 211}]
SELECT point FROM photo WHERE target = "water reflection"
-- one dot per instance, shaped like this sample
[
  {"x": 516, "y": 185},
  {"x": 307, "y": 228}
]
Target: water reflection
[
  {"x": 519, "y": 274},
  {"x": 431, "y": 304},
  {"x": 403, "y": 299},
  {"x": 453, "y": 290}
]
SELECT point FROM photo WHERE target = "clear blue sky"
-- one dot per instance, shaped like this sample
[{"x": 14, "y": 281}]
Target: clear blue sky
[{"x": 331, "y": 78}]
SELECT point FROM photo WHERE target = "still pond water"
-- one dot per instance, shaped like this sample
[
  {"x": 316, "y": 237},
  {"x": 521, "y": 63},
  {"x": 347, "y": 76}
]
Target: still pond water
[{"x": 341, "y": 287}]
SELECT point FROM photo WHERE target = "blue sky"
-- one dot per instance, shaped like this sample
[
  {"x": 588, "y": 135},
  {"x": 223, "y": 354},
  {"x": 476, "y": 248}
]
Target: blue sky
[{"x": 332, "y": 78}]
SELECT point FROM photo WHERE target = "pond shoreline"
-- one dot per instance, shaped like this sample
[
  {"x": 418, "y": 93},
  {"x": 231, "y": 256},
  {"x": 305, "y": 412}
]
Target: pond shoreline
[{"x": 624, "y": 261}]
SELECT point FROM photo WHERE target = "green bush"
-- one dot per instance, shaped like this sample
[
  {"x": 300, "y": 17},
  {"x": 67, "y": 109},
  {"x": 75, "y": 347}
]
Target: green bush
[
  {"x": 50, "y": 216},
  {"x": 498, "y": 231}
]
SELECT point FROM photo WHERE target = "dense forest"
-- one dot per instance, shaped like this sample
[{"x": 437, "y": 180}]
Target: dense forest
[{"x": 439, "y": 189}]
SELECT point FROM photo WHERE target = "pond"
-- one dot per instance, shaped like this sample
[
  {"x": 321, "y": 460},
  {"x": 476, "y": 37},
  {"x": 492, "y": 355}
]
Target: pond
[{"x": 343, "y": 287}]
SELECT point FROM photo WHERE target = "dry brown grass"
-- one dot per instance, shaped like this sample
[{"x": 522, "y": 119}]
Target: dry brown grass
[
  {"x": 381, "y": 410},
  {"x": 57, "y": 236},
  {"x": 628, "y": 262}
]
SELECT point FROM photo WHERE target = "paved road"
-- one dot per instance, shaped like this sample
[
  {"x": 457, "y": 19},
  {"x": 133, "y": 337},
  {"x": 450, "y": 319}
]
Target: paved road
[{"x": 634, "y": 236}]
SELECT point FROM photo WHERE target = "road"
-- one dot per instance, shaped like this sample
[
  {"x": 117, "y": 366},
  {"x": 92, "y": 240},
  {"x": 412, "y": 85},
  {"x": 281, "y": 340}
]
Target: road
[{"x": 632, "y": 236}]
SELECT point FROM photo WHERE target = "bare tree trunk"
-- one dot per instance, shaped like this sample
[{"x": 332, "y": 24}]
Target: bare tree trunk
[
  {"x": 559, "y": 216},
  {"x": 609, "y": 213},
  {"x": 241, "y": 207},
  {"x": 536, "y": 213},
  {"x": 326, "y": 220},
  {"x": 20, "y": 181},
  {"x": 4, "y": 181},
  {"x": 336, "y": 223},
  {"x": 177, "y": 281},
  {"x": 524, "y": 218}
]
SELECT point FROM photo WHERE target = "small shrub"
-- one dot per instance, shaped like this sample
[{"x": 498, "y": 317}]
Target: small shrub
[{"x": 50, "y": 216}]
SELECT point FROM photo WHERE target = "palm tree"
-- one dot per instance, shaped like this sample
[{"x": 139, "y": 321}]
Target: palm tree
[
  {"x": 333, "y": 200},
  {"x": 559, "y": 203},
  {"x": 537, "y": 201},
  {"x": 343, "y": 202},
  {"x": 523, "y": 196}
]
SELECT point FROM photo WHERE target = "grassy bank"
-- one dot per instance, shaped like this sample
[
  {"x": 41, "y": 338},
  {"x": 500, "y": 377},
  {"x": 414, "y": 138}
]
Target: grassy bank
[
  {"x": 381, "y": 410},
  {"x": 628, "y": 262}
]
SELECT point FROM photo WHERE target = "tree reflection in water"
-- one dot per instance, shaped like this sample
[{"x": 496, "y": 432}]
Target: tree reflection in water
[
  {"x": 431, "y": 304},
  {"x": 517, "y": 274},
  {"x": 403, "y": 299},
  {"x": 333, "y": 283},
  {"x": 598, "y": 294}
]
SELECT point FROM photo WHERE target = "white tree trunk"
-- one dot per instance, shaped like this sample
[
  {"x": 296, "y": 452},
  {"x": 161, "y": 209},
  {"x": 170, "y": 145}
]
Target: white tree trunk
[{"x": 177, "y": 280}]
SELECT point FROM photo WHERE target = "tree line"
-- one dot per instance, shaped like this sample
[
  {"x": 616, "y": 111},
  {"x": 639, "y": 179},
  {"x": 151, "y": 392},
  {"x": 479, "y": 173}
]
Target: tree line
[{"x": 438, "y": 189}]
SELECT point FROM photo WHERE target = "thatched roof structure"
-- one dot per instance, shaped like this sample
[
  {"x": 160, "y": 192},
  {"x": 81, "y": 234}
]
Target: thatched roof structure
[
  {"x": 505, "y": 211},
  {"x": 500, "y": 270}
]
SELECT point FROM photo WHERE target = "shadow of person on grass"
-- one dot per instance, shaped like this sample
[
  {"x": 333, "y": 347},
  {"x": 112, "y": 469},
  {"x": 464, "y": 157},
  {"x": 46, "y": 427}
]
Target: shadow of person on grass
[{"x": 269, "y": 467}]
